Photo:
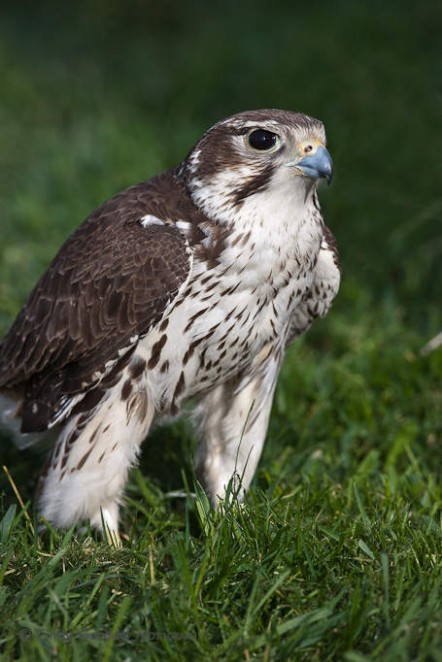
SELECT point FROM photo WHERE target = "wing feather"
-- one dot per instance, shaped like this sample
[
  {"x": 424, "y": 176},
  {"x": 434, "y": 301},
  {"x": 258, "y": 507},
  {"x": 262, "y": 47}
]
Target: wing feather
[{"x": 108, "y": 285}]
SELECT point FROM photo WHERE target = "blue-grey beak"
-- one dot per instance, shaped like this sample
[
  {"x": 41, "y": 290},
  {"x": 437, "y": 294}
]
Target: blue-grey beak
[{"x": 317, "y": 165}]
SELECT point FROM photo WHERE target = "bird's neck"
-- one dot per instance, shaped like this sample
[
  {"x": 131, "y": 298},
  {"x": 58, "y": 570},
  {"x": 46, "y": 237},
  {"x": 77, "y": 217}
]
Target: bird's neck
[{"x": 268, "y": 239}]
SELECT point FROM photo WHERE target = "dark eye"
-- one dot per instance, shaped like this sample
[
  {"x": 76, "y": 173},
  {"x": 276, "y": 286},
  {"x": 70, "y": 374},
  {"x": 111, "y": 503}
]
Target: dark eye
[{"x": 262, "y": 140}]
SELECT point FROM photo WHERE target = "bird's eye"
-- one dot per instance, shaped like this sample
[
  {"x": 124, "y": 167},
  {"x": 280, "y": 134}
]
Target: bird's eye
[{"x": 261, "y": 140}]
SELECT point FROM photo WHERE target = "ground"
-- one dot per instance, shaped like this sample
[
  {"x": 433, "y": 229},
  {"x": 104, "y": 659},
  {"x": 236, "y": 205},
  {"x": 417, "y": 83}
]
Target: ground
[{"x": 337, "y": 552}]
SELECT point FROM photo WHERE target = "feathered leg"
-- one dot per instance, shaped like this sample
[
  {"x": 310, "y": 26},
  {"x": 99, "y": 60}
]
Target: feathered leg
[
  {"x": 87, "y": 471},
  {"x": 234, "y": 418}
]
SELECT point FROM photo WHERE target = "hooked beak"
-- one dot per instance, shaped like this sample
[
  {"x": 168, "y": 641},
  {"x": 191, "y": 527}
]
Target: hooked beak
[{"x": 317, "y": 165}]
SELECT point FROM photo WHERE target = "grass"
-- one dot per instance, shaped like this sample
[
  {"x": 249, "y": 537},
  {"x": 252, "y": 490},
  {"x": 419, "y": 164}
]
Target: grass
[{"x": 337, "y": 552}]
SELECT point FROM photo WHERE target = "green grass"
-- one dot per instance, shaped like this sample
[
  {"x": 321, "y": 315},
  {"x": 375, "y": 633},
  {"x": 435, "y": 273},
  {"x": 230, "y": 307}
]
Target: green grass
[{"x": 337, "y": 551}]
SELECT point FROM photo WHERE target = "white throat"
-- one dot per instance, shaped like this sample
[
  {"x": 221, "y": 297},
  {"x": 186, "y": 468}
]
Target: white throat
[{"x": 272, "y": 230}]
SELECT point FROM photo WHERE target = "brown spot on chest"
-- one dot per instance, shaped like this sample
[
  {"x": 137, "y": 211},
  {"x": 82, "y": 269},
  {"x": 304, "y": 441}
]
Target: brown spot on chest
[
  {"x": 188, "y": 354},
  {"x": 136, "y": 367},
  {"x": 156, "y": 352},
  {"x": 126, "y": 390},
  {"x": 83, "y": 459},
  {"x": 194, "y": 317},
  {"x": 179, "y": 387}
]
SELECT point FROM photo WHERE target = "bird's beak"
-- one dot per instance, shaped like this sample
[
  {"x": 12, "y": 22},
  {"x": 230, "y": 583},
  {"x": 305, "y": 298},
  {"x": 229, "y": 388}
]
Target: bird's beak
[{"x": 319, "y": 164}]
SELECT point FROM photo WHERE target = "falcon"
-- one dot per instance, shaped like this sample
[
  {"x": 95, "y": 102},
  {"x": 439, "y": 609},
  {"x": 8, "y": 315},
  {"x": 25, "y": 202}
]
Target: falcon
[{"x": 187, "y": 286}]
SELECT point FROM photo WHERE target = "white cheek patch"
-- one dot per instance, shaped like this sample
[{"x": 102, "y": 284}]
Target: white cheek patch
[{"x": 150, "y": 219}]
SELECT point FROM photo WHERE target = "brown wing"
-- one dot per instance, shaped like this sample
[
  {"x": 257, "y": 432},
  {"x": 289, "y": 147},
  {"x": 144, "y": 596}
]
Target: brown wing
[{"x": 109, "y": 283}]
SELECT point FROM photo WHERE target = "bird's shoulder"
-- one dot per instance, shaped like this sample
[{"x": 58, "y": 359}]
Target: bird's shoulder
[{"x": 108, "y": 284}]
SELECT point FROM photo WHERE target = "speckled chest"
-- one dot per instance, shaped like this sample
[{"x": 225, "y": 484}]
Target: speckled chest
[{"x": 225, "y": 315}]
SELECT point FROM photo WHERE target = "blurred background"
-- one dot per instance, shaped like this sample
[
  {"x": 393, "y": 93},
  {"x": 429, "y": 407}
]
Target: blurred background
[{"x": 97, "y": 95}]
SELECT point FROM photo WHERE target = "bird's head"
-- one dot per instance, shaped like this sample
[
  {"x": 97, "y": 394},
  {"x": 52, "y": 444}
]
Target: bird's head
[{"x": 272, "y": 153}]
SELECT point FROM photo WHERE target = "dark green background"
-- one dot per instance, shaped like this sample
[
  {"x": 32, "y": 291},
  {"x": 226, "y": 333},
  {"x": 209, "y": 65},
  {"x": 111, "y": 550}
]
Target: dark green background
[{"x": 97, "y": 95}]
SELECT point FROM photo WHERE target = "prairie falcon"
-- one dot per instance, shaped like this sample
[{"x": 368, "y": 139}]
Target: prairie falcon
[{"x": 189, "y": 285}]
